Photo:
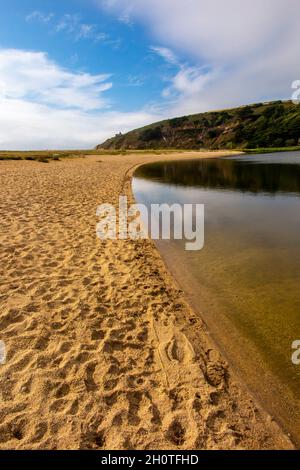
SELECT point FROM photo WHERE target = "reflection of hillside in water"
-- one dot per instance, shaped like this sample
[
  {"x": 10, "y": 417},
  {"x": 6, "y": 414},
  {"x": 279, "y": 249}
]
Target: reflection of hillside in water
[{"x": 226, "y": 174}]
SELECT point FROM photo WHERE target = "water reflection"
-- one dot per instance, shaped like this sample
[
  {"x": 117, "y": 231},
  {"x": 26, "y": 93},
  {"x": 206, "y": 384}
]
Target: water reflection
[
  {"x": 255, "y": 175},
  {"x": 245, "y": 282}
]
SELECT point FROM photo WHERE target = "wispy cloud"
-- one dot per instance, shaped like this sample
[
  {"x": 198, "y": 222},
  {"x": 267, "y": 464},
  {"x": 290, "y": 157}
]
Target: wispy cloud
[
  {"x": 136, "y": 80},
  {"x": 39, "y": 17},
  {"x": 187, "y": 80},
  {"x": 166, "y": 54},
  {"x": 125, "y": 17},
  {"x": 86, "y": 31},
  {"x": 72, "y": 25},
  {"x": 68, "y": 23}
]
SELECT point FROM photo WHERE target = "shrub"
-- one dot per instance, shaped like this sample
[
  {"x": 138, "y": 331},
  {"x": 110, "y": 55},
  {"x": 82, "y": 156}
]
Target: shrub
[
  {"x": 213, "y": 133},
  {"x": 245, "y": 113},
  {"x": 151, "y": 134},
  {"x": 178, "y": 122},
  {"x": 290, "y": 142}
]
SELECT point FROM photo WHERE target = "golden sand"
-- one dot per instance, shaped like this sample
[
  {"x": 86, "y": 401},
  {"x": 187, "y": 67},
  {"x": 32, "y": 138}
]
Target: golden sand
[{"x": 103, "y": 351}]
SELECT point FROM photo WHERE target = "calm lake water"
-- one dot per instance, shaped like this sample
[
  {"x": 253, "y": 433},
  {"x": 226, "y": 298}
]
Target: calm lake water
[{"x": 245, "y": 283}]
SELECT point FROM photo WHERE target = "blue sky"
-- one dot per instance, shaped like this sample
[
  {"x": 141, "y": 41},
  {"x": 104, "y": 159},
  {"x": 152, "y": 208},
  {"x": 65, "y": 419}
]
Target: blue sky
[{"x": 74, "y": 72}]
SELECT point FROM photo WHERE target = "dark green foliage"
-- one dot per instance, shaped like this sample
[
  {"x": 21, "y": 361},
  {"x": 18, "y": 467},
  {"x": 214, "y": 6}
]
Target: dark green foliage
[
  {"x": 213, "y": 133},
  {"x": 178, "y": 122},
  {"x": 245, "y": 113},
  {"x": 151, "y": 134},
  {"x": 222, "y": 118}
]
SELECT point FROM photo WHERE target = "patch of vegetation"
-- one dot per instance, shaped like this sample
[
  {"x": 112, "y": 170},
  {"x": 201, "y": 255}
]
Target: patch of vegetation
[
  {"x": 273, "y": 150},
  {"x": 48, "y": 156},
  {"x": 149, "y": 135},
  {"x": 39, "y": 156}
]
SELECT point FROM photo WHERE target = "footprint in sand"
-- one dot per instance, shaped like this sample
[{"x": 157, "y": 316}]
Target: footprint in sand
[
  {"x": 179, "y": 349},
  {"x": 176, "y": 433}
]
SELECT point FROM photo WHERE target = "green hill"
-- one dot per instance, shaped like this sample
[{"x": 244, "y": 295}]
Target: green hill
[{"x": 269, "y": 125}]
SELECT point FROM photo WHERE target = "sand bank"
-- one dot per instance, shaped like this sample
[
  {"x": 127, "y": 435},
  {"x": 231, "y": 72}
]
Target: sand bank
[{"x": 103, "y": 351}]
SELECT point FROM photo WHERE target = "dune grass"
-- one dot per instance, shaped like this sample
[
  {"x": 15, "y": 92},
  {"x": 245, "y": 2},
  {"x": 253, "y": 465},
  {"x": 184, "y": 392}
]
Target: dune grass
[
  {"x": 46, "y": 156},
  {"x": 272, "y": 150}
]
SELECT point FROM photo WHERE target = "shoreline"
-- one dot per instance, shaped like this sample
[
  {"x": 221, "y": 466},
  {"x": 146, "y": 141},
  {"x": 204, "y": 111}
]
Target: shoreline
[
  {"x": 244, "y": 358},
  {"x": 239, "y": 377},
  {"x": 101, "y": 340}
]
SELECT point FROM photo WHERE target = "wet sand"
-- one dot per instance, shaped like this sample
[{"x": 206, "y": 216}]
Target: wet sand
[{"x": 103, "y": 350}]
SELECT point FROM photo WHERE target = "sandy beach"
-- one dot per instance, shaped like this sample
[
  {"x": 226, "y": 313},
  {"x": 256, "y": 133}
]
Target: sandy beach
[{"x": 103, "y": 350}]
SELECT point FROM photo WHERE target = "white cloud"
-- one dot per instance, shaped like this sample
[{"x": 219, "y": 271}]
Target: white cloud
[
  {"x": 69, "y": 23},
  {"x": 73, "y": 25},
  {"x": 86, "y": 30},
  {"x": 39, "y": 16},
  {"x": 250, "y": 47},
  {"x": 136, "y": 80},
  {"x": 166, "y": 54},
  {"x": 190, "y": 80},
  {"x": 46, "y": 106},
  {"x": 32, "y": 76},
  {"x": 26, "y": 125},
  {"x": 213, "y": 28},
  {"x": 187, "y": 81},
  {"x": 89, "y": 31}
]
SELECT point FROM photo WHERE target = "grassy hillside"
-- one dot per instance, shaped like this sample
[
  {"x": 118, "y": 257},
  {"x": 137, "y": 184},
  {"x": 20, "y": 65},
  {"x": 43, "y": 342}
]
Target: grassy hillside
[{"x": 269, "y": 125}]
